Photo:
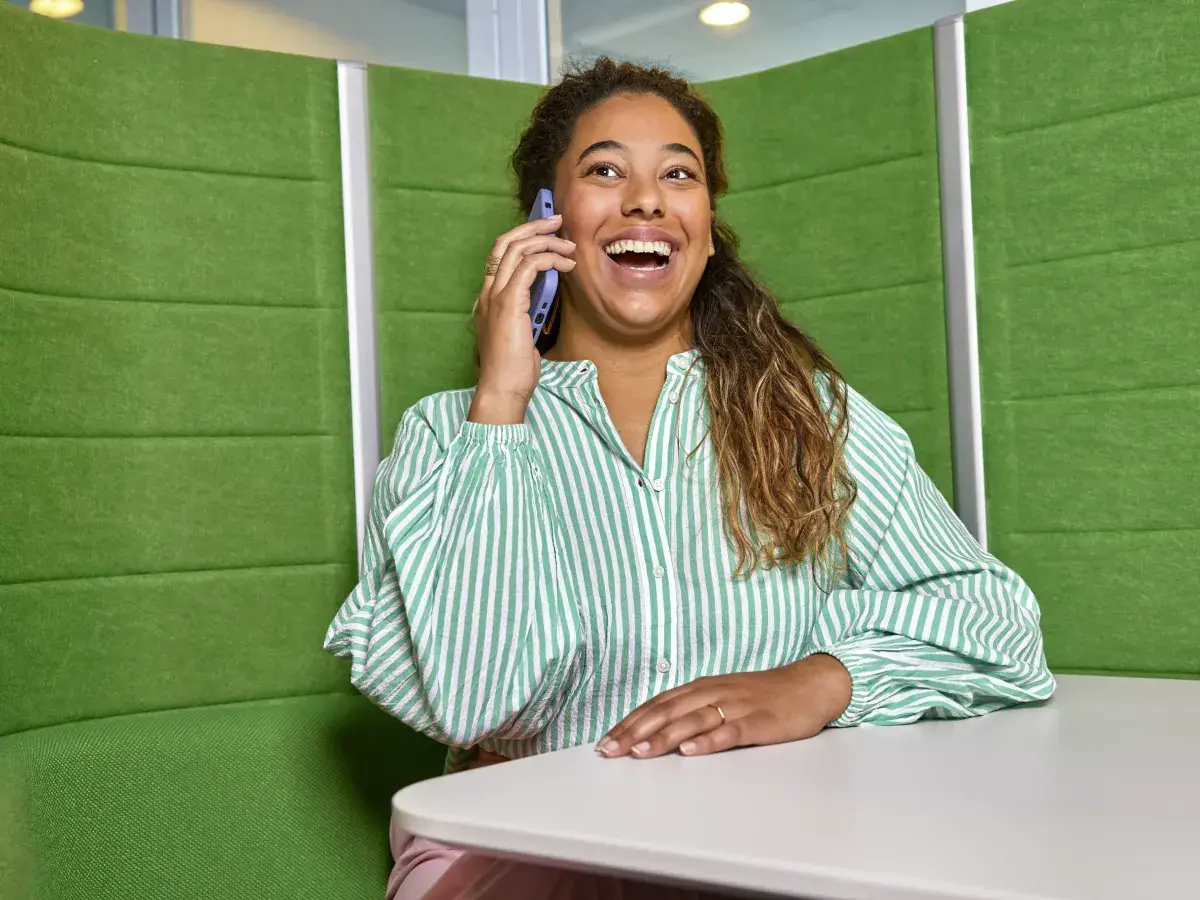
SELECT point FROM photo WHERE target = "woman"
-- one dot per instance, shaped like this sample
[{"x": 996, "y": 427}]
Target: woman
[{"x": 680, "y": 530}]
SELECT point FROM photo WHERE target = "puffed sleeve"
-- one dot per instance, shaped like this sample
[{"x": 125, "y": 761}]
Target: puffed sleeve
[
  {"x": 462, "y": 625},
  {"x": 933, "y": 625}
]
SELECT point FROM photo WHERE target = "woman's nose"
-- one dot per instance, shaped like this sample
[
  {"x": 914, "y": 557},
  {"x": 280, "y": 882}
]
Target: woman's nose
[{"x": 643, "y": 196}]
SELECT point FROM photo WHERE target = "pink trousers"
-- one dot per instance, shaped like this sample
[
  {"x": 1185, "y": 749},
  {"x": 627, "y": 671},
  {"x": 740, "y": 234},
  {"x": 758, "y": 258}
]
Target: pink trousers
[{"x": 428, "y": 870}]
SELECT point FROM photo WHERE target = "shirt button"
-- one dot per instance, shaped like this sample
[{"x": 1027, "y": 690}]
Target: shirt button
[
  {"x": 675, "y": 397},
  {"x": 659, "y": 571},
  {"x": 658, "y": 485},
  {"x": 664, "y": 665}
]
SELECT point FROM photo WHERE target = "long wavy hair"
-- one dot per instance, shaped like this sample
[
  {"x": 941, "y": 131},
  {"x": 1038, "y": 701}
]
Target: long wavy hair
[{"x": 785, "y": 486}]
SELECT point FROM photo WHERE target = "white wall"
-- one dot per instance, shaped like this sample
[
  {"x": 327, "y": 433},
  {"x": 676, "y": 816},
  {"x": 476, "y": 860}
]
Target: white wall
[{"x": 389, "y": 32}]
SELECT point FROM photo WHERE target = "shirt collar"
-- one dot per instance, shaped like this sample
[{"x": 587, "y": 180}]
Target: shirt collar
[
  {"x": 688, "y": 361},
  {"x": 569, "y": 374},
  {"x": 573, "y": 373}
]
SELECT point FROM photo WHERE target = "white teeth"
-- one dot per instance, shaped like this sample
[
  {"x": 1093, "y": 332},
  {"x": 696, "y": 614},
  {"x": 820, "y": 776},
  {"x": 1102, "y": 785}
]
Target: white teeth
[{"x": 662, "y": 248}]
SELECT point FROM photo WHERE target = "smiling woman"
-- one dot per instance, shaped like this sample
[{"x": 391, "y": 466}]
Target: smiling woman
[{"x": 679, "y": 530}]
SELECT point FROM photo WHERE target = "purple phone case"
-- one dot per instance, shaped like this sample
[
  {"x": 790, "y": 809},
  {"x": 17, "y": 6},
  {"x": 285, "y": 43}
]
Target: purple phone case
[{"x": 545, "y": 286}]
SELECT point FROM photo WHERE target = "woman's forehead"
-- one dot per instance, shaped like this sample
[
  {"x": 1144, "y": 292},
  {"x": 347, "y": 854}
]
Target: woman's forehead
[{"x": 641, "y": 119}]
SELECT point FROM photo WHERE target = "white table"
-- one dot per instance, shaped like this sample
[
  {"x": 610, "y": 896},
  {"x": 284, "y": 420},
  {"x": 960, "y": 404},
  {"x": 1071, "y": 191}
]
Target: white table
[{"x": 1093, "y": 795}]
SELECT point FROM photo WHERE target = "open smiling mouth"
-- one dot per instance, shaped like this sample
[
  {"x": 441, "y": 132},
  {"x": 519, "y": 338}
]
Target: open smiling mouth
[{"x": 642, "y": 256}]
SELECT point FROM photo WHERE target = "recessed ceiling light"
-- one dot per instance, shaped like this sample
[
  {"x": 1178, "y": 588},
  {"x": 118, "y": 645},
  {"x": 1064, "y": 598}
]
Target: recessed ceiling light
[
  {"x": 722, "y": 15},
  {"x": 57, "y": 9}
]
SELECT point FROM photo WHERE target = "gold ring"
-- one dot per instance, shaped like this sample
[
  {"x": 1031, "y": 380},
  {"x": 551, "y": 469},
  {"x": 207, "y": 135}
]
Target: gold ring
[
  {"x": 720, "y": 711},
  {"x": 493, "y": 265}
]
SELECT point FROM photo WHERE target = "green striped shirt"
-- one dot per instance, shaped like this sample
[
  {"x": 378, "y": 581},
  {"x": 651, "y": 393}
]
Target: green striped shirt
[{"x": 524, "y": 587}]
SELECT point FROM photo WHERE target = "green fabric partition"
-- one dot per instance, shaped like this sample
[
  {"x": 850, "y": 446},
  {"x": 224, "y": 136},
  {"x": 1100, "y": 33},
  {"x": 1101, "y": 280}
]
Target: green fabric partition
[
  {"x": 442, "y": 195},
  {"x": 834, "y": 192},
  {"x": 833, "y": 164},
  {"x": 1086, "y": 175},
  {"x": 175, "y": 479}
]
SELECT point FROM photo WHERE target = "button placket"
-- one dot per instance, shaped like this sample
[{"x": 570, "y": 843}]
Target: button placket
[{"x": 661, "y": 651}]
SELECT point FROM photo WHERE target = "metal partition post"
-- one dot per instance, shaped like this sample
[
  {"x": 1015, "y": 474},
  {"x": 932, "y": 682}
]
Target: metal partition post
[
  {"x": 354, "y": 118},
  {"x": 958, "y": 252}
]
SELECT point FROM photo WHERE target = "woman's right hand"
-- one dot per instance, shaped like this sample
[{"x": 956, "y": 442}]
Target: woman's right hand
[{"x": 509, "y": 363}]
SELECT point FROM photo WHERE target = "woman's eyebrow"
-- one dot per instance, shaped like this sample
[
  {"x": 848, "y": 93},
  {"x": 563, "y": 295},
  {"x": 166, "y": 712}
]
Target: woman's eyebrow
[
  {"x": 680, "y": 148},
  {"x": 603, "y": 145},
  {"x": 618, "y": 147}
]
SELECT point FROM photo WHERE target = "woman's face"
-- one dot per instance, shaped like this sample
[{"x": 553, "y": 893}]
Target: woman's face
[{"x": 632, "y": 193}]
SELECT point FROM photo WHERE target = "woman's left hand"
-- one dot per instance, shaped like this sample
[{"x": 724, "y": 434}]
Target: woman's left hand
[{"x": 786, "y": 704}]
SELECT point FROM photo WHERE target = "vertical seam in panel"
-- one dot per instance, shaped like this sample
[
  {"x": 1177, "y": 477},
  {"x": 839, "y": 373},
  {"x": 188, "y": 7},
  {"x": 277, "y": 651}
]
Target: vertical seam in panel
[
  {"x": 353, "y": 116},
  {"x": 958, "y": 257}
]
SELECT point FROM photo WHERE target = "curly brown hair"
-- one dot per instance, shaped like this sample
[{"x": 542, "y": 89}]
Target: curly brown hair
[{"x": 786, "y": 488}]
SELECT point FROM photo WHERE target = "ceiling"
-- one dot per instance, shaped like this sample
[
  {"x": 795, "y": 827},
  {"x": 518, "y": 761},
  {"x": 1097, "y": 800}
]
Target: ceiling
[{"x": 777, "y": 32}]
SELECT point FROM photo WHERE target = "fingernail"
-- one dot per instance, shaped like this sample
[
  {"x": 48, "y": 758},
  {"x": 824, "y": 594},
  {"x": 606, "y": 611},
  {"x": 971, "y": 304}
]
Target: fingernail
[
  {"x": 687, "y": 748},
  {"x": 643, "y": 747},
  {"x": 607, "y": 746}
]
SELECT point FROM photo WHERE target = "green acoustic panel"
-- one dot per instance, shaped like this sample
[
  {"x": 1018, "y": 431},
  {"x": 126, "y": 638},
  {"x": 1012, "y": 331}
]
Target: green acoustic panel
[
  {"x": 1084, "y": 165},
  {"x": 285, "y": 799},
  {"x": 426, "y": 353},
  {"x": 1141, "y": 596},
  {"x": 1148, "y": 302},
  {"x": 80, "y": 507},
  {"x": 865, "y": 229},
  {"x": 167, "y": 369},
  {"x": 137, "y": 233},
  {"x": 175, "y": 476},
  {"x": 834, "y": 192},
  {"x": 862, "y": 330},
  {"x": 431, "y": 249},
  {"x": 72, "y": 91},
  {"x": 16, "y": 843},
  {"x": 1096, "y": 195},
  {"x": 1067, "y": 463},
  {"x": 441, "y": 133},
  {"x": 895, "y": 317},
  {"x": 106, "y": 646},
  {"x": 440, "y": 148},
  {"x": 852, "y": 109},
  {"x": 1154, "y": 59}
]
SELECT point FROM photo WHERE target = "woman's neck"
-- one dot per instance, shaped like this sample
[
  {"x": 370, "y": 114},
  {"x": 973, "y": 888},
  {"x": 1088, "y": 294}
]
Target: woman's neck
[
  {"x": 618, "y": 360},
  {"x": 630, "y": 376}
]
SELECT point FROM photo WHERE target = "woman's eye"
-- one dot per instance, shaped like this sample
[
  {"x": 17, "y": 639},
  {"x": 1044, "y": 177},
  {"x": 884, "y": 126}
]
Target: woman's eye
[
  {"x": 603, "y": 170},
  {"x": 680, "y": 174}
]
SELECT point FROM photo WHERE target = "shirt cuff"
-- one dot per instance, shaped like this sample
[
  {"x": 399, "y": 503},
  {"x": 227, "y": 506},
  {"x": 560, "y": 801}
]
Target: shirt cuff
[
  {"x": 856, "y": 711},
  {"x": 477, "y": 433}
]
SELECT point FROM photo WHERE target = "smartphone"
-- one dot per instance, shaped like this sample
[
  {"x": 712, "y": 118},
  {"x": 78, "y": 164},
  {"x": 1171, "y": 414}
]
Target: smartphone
[{"x": 545, "y": 286}]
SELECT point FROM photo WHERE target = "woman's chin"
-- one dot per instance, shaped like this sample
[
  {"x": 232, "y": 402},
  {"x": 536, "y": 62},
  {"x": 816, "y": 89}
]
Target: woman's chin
[{"x": 641, "y": 316}]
